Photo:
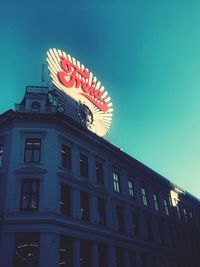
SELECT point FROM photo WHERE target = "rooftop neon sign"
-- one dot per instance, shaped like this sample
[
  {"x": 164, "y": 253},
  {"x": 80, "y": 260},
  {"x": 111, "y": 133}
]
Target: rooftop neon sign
[{"x": 72, "y": 78}]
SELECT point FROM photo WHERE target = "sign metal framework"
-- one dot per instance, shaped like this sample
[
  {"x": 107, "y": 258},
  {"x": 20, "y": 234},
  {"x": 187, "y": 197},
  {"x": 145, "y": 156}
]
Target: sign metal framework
[{"x": 72, "y": 79}]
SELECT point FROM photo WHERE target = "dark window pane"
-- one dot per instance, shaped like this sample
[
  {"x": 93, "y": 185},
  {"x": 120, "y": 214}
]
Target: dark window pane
[
  {"x": 65, "y": 201},
  {"x": 120, "y": 218},
  {"x": 30, "y": 195},
  {"x": 102, "y": 255},
  {"x": 83, "y": 165},
  {"x": 135, "y": 223},
  {"x": 65, "y": 252},
  {"x": 99, "y": 173},
  {"x": 119, "y": 257},
  {"x": 102, "y": 211},
  {"x": 84, "y": 198},
  {"x": 132, "y": 258},
  {"x": 85, "y": 253},
  {"x": 66, "y": 157},
  {"x": 149, "y": 228},
  {"x": 26, "y": 250},
  {"x": 32, "y": 150}
]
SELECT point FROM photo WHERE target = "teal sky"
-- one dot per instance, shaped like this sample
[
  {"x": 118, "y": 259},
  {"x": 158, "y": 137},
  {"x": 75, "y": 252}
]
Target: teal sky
[{"x": 147, "y": 55}]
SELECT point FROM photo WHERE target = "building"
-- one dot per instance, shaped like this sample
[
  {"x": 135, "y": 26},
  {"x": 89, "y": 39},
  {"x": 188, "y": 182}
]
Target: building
[{"x": 70, "y": 198}]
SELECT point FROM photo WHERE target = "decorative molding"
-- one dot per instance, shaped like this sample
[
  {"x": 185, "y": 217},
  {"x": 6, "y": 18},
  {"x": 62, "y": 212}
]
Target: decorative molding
[{"x": 31, "y": 170}]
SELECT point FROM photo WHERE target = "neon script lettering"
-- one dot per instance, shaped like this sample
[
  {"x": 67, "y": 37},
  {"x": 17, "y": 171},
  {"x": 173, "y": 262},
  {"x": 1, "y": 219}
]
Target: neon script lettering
[{"x": 68, "y": 77}]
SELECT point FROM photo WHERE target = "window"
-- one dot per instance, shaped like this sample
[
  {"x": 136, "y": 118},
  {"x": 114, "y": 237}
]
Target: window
[
  {"x": 99, "y": 173},
  {"x": 149, "y": 228},
  {"x": 85, "y": 212},
  {"x": 161, "y": 232},
  {"x": 143, "y": 260},
  {"x": 156, "y": 204},
  {"x": 185, "y": 215},
  {"x": 65, "y": 200},
  {"x": 85, "y": 253},
  {"x": 144, "y": 196},
  {"x": 131, "y": 188},
  {"x": 30, "y": 195},
  {"x": 191, "y": 215},
  {"x": 166, "y": 207},
  {"x": 120, "y": 218},
  {"x": 135, "y": 224},
  {"x": 83, "y": 165},
  {"x": 119, "y": 257},
  {"x": 178, "y": 212},
  {"x": 26, "y": 250},
  {"x": 102, "y": 211},
  {"x": 32, "y": 150},
  {"x": 66, "y": 157},
  {"x": 116, "y": 181},
  {"x": 1, "y": 154},
  {"x": 102, "y": 255},
  {"x": 65, "y": 252},
  {"x": 132, "y": 258}
]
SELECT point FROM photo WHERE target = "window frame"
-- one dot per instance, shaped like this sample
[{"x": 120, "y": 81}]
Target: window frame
[
  {"x": 166, "y": 207},
  {"x": 144, "y": 196},
  {"x": 29, "y": 193},
  {"x": 99, "y": 174},
  {"x": 65, "y": 208},
  {"x": 131, "y": 189},
  {"x": 33, "y": 149},
  {"x": 66, "y": 161},
  {"x": 120, "y": 218},
  {"x": 116, "y": 182},
  {"x": 84, "y": 168},
  {"x": 85, "y": 206},
  {"x": 156, "y": 202}
]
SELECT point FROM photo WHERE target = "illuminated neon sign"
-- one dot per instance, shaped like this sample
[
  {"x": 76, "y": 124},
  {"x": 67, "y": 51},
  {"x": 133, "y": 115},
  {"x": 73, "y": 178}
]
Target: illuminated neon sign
[{"x": 72, "y": 78}]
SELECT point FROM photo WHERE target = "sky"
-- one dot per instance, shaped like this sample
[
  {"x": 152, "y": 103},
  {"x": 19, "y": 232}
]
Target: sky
[{"x": 145, "y": 53}]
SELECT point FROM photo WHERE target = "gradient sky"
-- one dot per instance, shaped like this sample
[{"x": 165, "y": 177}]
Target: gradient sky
[{"x": 146, "y": 54}]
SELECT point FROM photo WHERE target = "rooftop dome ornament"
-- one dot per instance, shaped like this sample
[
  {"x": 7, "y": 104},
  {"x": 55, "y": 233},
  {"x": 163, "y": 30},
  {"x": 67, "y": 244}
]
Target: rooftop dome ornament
[{"x": 73, "y": 80}]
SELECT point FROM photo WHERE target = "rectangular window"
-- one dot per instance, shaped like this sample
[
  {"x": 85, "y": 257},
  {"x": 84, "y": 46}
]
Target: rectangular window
[
  {"x": 102, "y": 211},
  {"x": 102, "y": 255},
  {"x": 85, "y": 209},
  {"x": 144, "y": 196},
  {"x": 66, "y": 157},
  {"x": 116, "y": 181},
  {"x": 65, "y": 200},
  {"x": 83, "y": 165},
  {"x": 65, "y": 252},
  {"x": 30, "y": 195},
  {"x": 161, "y": 232},
  {"x": 135, "y": 224},
  {"x": 185, "y": 215},
  {"x": 32, "y": 150},
  {"x": 119, "y": 257},
  {"x": 120, "y": 218},
  {"x": 149, "y": 228},
  {"x": 132, "y": 258},
  {"x": 26, "y": 250},
  {"x": 156, "y": 204},
  {"x": 1, "y": 155},
  {"x": 99, "y": 173},
  {"x": 166, "y": 207},
  {"x": 131, "y": 189},
  {"x": 85, "y": 253},
  {"x": 178, "y": 212}
]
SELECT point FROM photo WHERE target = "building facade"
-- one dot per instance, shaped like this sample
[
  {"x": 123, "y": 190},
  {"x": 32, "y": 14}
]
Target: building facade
[{"x": 69, "y": 198}]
